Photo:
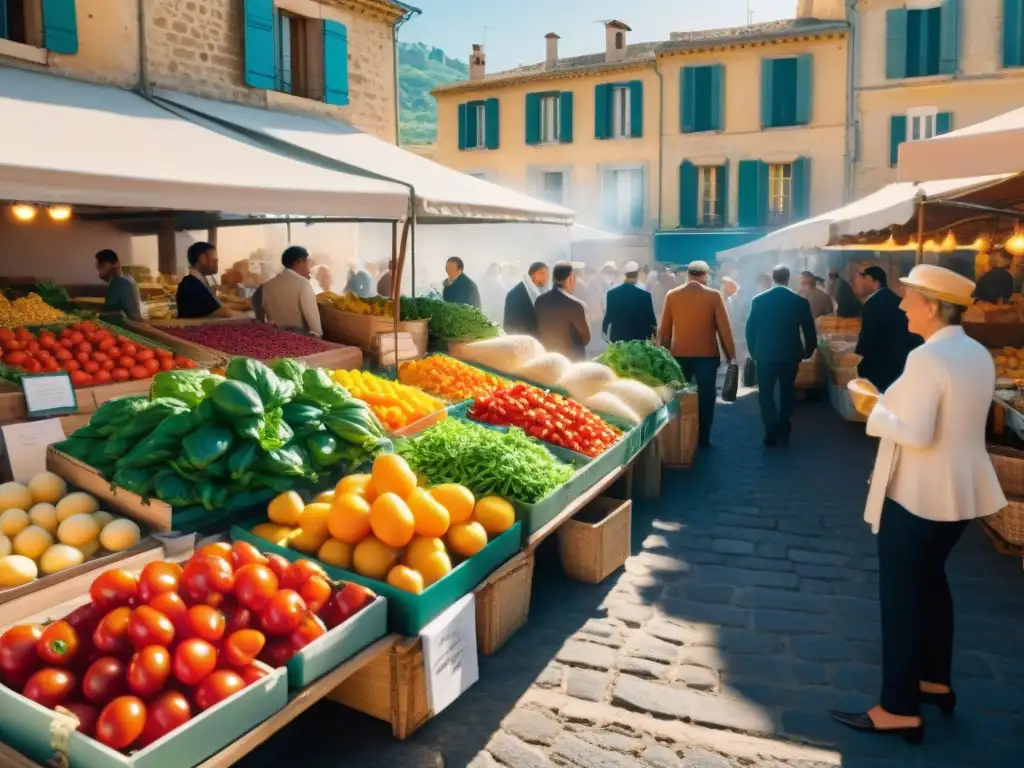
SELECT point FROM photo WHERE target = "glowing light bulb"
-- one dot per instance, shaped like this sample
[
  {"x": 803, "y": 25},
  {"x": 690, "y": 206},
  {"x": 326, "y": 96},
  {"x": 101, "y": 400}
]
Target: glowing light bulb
[
  {"x": 1015, "y": 245},
  {"x": 931, "y": 245},
  {"x": 982, "y": 243},
  {"x": 24, "y": 211},
  {"x": 949, "y": 243},
  {"x": 59, "y": 212}
]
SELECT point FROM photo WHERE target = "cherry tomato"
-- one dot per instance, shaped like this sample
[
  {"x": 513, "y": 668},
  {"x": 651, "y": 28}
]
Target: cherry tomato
[
  {"x": 144, "y": 353},
  {"x": 166, "y": 712},
  {"x": 254, "y": 586},
  {"x": 84, "y": 619},
  {"x": 166, "y": 364},
  {"x": 49, "y": 687},
  {"x": 173, "y": 607},
  {"x": 149, "y": 670},
  {"x": 82, "y": 358},
  {"x": 128, "y": 348},
  {"x": 278, "y": 564},
  {"x": 204, "y": 574},
  {"x": 107, "y": 343},
  {"x": 139, "y": 371},
  {"x": 236, "y": 616},
  {"x": 152, "y": 365},
  {"x": 309, "y": 629},
  {"x": 150, "y": 627},
  {"x": 111, "y": 635},
  {"x": 86, "y": 714},
  {"x": 277, "y": 652},
  {"x": 251, "y": 674},
  {"x": 120, "y": 374},
  {"x": 348, "y": 600},
  {"x": 18, "y": 655},
  {"x": 77, "y": 337},
  {"x": 121, "y": 722},
  {"x": 283, "y": 612},
  {"x": 158, "y": 577},
  {"x": 81, "y": 378},
  {"x": 241, "y": 648},
  {"x": 244, "y": 553},
  {"x": 164, "y": 353},
  {"x": 15, "y": 358},
  {"x": 216, "y": 687},
  {"x": 184, "y": 362},
  {"x": 126, "y": 362},
  {"x": 206, "y": 623},
  {"x": 194, "y": 659},
  {"x": 85, "y": 348},
  {"x": 104, "y": 681},
  {"x": 114, "y": 588},
  {"x": 298, "y": 572},
  {"x": 316, "y": 591},
  {"x": 219, "y": 549},
  {"x": 58, "y": 644}
]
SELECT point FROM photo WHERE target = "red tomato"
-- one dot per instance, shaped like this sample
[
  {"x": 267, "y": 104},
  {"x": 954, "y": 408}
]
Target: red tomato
[
  {"x": 121, "y": 722},
  {"x": 166, "y": 712},
  {"x": 82, "y": 358},
  {"x": 108, "y": 365},
  {"x": 139, "y": 371},
  {"x": 47, "y": 340},
  {"x": 81, "y": 378},
  {"x": 77, "y": 337},
  {"x": 33, "y": 366},
  {"x": 166, "y": 364},
  {"x": 206, "y": 623},
  {"x": 299, "y": 571},
  {"x": 184, "y": 362},
  {"x": 278, "y": 564},
  {"x": 309, "y": 629},
  {"x": 144, "y": 353},
  {"x": 348, "y": 600},
  {"x": 107, "y": 343},
  {"x": 104, "y": 681},
  {"x": 127, "y": 347},
  {"x": 86, "y": 714},
  {"x": 66, "y": 343},
  {"x": 114, "y": 352},
  {"x": 255, "y": 585},
  {"x": 218, "y": 686},
  {"x": 244, "y": 553},
  {"x": 100, "y": 357},
  {"x": 91, "y": 366},
  {"x": 283, "y": 612},
  {"x": 194, "y": 659},
  {"x": 12, "y": 345},
  {"x": 120, "y": 374},
  {"x": 126, "y": 362},
  {"x": 219, "y": 549},
  {"x": 62, "y": 354},
  {"x": 71, "y": 366},
  {"x": 18, "y": 655},
  {"x": 236, "y": 616},
  {"x": 277, "y": 652},
  {"x": 114, "y": 588},
  {"x": 150, "y": 627},
  {"x": 149, "y": 670},
  {"x": 58, "y": 644},
  {"x": 173, "y": 607},
  {"x": 85, "y": 348},
  {"x": 156, "y": 578},
  {"x": 52, "y": 365},
  {"x": 32, "y": 347},
  {"x": 316, "y": 591},
  {"x": 204, "y": 574},
  {"x": 15, "y": 358},
  {"x": 49, "y": 687},
  {"x": 241, "y": 648},
  {"x": 84, "y": 619},
  {"x": 111, "y": 635},
  {"x": 152, "y": 365},
  {"x": 251, "y": 674},
  {"x": 164, "y": 353}
]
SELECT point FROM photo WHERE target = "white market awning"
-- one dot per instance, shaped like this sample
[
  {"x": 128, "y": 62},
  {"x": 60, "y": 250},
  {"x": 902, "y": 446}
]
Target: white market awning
[
  {"x": 65, "y": 141},
  {"x": 809, "y": 233},
  {"x": 583, "y": 234},
  {"x": 989, "y": 147},
  {"x": 443, "y": 195}
]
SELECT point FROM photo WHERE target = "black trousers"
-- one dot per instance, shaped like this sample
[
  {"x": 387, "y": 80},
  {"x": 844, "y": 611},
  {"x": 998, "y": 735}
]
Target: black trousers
[
  {"x": 705, "y": 371},
  {"x": 783, "y": 377},
  {"x": 917, "y": 608}
]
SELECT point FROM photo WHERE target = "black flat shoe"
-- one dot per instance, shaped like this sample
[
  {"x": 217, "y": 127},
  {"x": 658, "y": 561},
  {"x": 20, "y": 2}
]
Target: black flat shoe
[
  {"x": 860, "y": 721},
  {"x": 946, "y": 702}
]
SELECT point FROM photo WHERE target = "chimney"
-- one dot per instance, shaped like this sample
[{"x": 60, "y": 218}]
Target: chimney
[
  {"x": 832, "y": 10},
  {"x": 477, "y": 63},
  {"x": 551, "y": 58},
  {"x": 615, "y": 40}
]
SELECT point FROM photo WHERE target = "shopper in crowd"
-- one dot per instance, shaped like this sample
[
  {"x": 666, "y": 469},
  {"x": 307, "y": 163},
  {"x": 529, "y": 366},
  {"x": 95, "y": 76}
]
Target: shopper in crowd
[
  {"x": 820, "y": 302},
  {"x": 996, "y": 285},
  {"x": 384, "y": 281},
  {"x": 884, "y": 340},
  {"x": 122, "y": 292},
  {"x": 361, "y": 283},
  {"x": 520, "y": 316},
  {"x": 630, "y": 312},
  {"x": 197, "y": 291},
  {"x": 458, "y": 288},
  {"x": 693, "y": 324},
  {"x": 843, "y": 295},
  {"x": 932, "y": 476},
  {"x": 561, "y": 317},
  {"x": 778, "y": 318},
  {"x": 288, "y": 299},
  {"x": 493, "y": 291}
]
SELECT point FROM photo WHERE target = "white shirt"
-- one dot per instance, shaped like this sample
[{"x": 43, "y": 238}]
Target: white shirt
[
  {"x": 290, "y": 302},
  {"x": 932, "y": 457}
]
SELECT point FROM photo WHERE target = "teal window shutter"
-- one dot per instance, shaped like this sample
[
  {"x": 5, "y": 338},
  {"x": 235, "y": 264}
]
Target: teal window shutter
[
  {"x": 804, "y": 89},
  {"x": 565, "y": 117},
  {"x": 717, "y": 98},
  {"x": 471, "y": 124},
  {"x": 896, "y": 30},
  {"x": 689, "y": 194},
  {"x": 801, "y": 188},
  {"x": 532, "y": 118},
  {"x": 492, "y": 124},
  {"x": 260, "y": 64},
  {"x": 1013, "y": 33},
  {"x": 897, "y": 135},
  {"x": 60, "y": 27},
  {"x": 949, "y": 45},
  {"x": 602, "y": 111},
  {"x": 943, "y": 123},
  {"x": 767, "y": 76},
  {"x": 636, "y": 108},
  {"x": 463, "y": 126},
  {"x": 752, "y": 208},
  {"x": 723, "y": 192},
  {"x": 335, "y": 63},
  {"x": 688, "y": 99}
]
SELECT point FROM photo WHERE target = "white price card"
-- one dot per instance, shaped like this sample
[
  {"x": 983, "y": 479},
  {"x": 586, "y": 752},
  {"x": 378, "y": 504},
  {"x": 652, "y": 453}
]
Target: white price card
[
  {"x": 449, "y": 653},
  {"x": 49, "y": 394},
  {"x": 26, "y": 445}
]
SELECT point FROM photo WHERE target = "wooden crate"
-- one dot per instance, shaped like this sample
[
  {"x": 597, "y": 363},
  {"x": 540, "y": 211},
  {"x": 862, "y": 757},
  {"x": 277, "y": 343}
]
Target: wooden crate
[
  {"x": 207, "y": 358},
  {"x": 647, "y": 472},
  {"x": 503, "y": 603},
  {"x": 363, "y": 330},
  {"x": 596, "y": 542},
  {"x": 12, "y": 403},
  {"x": 679, "y": 438}
]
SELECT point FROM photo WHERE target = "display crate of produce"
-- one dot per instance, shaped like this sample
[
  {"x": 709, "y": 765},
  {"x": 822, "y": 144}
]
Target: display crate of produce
[
  {"x": 595, "y": 542},
  {"x": 362, "y": 330},
  {"x": 408, "y": 613},
  {"x": 503, "y": 602}
]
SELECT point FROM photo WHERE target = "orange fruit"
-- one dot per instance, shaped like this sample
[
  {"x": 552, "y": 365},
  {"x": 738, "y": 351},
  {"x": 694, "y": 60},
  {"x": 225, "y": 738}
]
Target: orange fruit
[
  {"x": 405, "y": 578},
  {"x": 336, "y": 553},
  {"x": 391, "y": 474},
  {"x": 457, "y": 499},
  {"x": 434, "y": 567},
  {"x": 285, "y": 508},
  {"x": 373, "y": 558},
  {"x": 431, "y": 516},
  {"x": 361, "y": 485},
  {"x": 349, "y": 520},
  {"x": 391, "y": 520},
  {"x": 419, "y": 549},
  {"x": 495, "y": 514},
  {"x": 308, "y": 540},
  {"x": 314, "y": 518},
  {"x": 466, "y": 539},
  {"x": 278, "y": 534}
]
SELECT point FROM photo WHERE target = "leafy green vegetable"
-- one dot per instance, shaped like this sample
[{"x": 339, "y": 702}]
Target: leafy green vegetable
[
  {"x": 117, "y": 411},
  {"x": 318, "y": 387},
  {"x": 645, "y": 362},
  {"x": 206, "y": 445},
  {"x": 242, "y": 459},
  {"x": 52, "y": 294},
  {"x": 81, "y": 448},
  {"x": 290, "y": 370},
  {"x": 273, "y": 390},
  {"x": 448, "y": 321},
  {"x": 186, "y": 386},
  {"x": 212, "y": 495},
  {"x": 172, "y": 488},
  {"x": 163, "y": 443},
  {"x": 324, "y": 450},
  {"x": 236, "y": 399},
  {"x": 138, "y": 481}
]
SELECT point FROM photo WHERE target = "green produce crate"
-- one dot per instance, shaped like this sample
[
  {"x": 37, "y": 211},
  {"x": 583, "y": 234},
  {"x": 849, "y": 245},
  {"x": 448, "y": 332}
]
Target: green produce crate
[
  {"x": 25, "y": 726},
  {"x": 409, "y": 613},
  {"x": 338, "y": 645}
]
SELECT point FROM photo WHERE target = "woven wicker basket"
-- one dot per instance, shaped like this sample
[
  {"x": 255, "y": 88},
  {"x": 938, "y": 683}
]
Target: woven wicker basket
[
  {"x": 1009, "y": 466},
  {"x": 596, "y": 542},
  {"x": 503, "y": 603},
  {"x": 1009, "y": 522}
]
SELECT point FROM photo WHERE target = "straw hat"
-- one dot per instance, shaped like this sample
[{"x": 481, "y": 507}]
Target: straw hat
[{"x": 940, "y": 284}]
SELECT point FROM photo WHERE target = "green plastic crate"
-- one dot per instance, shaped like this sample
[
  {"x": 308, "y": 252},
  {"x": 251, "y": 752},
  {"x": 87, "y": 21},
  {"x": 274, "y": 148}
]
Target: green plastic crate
[
  {"x": 409, "y": 613},
  {"x": 338, "y": 645}
]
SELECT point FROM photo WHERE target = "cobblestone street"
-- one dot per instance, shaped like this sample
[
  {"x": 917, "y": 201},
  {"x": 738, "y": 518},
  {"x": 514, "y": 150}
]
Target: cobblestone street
[{"x": 748, "y": 610}]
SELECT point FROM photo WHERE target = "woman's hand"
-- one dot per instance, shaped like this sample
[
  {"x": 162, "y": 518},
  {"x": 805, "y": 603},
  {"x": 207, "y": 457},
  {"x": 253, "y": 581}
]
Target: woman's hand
[{"x": 864, "y": 395}]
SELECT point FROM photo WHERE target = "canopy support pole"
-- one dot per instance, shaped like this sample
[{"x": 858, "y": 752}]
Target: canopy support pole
[
  {"x": 919, "y": 256},
  {"x": 396, "y": 283}
]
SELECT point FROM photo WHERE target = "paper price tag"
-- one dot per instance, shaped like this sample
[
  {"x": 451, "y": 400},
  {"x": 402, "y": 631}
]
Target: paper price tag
[
  {"x": 450, "y": 653},
  {"x": 49, "y": 394}
]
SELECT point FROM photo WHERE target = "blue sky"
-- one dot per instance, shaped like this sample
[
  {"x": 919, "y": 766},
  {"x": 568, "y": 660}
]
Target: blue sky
[{"x": 516, "y": 28}]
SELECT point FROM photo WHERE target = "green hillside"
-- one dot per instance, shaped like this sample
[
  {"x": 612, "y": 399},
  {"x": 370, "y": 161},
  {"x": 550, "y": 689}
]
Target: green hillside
[{"x": 420, "y": 70}]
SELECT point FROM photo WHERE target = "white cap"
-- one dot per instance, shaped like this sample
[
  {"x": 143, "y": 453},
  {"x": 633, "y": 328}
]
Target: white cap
[
  {"x": 577, "y": 265},
  {"x": 608, "y": 265},
  {"x": 630, "y": 266},
  {"x": 698, "y": 267}
]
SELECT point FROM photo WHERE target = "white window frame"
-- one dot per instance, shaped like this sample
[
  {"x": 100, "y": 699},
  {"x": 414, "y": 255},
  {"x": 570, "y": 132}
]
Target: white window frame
[
  {"x": 921, "y": 123},
  {"x": 550, "y": 119},
  {"x": 780, "y": 190},
  {"x": 623, "y": 209},
  {"x": 622, "y": 123},
  {"x": 481, "y": 126},
  {"x": 543, "y": 190},
  {"x": 535, "y": 181},
  {"x": 707, "y": 182}
]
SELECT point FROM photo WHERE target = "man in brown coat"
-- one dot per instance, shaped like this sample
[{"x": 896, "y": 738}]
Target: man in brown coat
[
  {"x": 693, "y": 323},
  {"x": 562, "y": 324}
]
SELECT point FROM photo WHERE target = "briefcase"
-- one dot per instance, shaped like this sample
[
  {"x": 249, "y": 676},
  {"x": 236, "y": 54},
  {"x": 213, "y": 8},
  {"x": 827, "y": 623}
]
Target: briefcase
[{"x": 749, "y": 373}]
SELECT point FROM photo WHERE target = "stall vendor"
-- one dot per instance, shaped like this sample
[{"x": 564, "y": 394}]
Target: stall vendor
[
  {"x": 458, "y": 288},
  {"x": 996, "y": 285},
  {"x": 288, "y": 300},
  {"x": 122, "y": 292},
  {"x": 197, "y": 295}
]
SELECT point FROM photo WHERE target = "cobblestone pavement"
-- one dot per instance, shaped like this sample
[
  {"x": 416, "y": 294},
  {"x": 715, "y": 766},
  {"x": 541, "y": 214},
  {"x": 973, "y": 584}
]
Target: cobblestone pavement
[{"x": 748, "y": 610}]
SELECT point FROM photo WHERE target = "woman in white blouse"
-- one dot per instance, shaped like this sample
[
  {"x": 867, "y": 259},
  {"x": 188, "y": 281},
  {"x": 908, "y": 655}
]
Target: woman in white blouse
[{"x": 932, "y": 477}]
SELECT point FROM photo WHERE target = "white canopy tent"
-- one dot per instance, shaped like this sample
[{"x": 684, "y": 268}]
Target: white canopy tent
[
  {"x": 989, "y": 147},
  {"x": 580, "y": 233},
  {"x": 64, "y": 141}
]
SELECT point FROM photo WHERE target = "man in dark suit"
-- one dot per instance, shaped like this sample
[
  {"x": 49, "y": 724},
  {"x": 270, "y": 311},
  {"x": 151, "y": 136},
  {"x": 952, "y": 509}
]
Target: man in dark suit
[
  {"x": 777, "y": 318},
  {"x": 562, "y": 323},
  {"x": 843, "y": 294},
  {"x": 884, "y": 341},
  {"x": 630, "y": 309},
  {"x": 520, "y": 315}
]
